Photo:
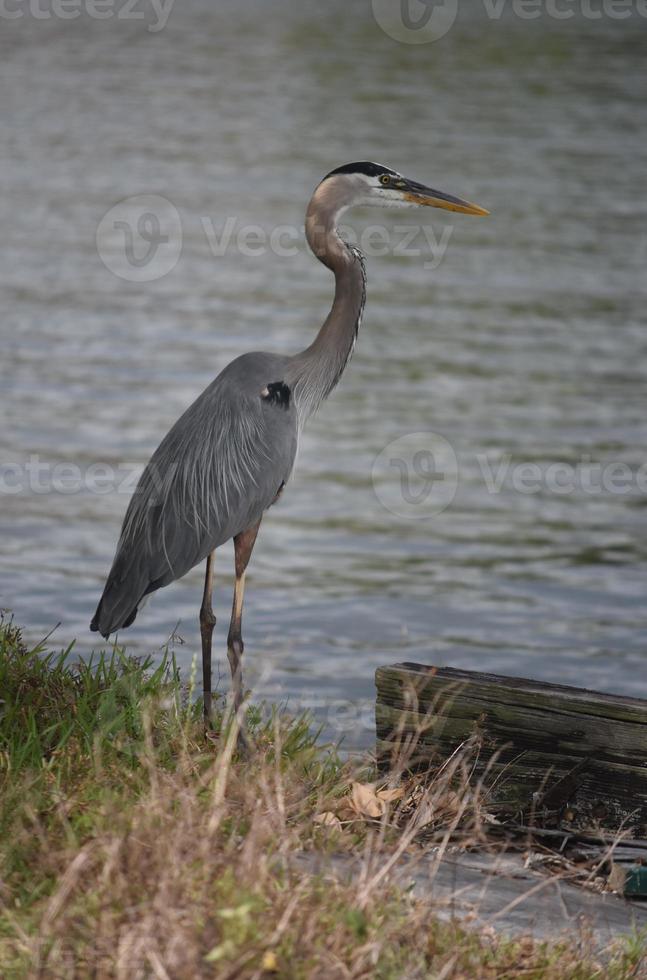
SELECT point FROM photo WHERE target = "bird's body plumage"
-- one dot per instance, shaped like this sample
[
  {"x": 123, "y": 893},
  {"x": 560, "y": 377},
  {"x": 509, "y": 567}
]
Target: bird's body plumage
[{"x": 213, "y": 475}]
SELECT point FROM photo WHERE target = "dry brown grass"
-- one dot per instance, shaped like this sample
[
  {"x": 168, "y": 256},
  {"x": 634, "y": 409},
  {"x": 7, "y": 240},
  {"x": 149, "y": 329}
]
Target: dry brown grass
[{"x": 139, "y": 849}]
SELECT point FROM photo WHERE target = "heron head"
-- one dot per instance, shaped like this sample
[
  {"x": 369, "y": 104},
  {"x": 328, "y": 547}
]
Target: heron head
[{"x": 368, "y": 183}]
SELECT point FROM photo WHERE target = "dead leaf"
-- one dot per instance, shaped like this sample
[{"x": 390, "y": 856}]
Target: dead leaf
[
  {"x": 328, "y": 819},
  {"x": 365, "y": 801},
  {"x": 346, "y": 811},
  {"x": 390, "y": 795}
]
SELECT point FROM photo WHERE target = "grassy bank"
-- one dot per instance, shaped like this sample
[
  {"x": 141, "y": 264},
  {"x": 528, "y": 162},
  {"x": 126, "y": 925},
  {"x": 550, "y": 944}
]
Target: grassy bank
[{"x": 133, "y": 846}]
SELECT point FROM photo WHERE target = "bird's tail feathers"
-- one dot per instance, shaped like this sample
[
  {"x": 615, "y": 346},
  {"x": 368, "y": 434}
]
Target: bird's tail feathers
[
  {"x": 111, "y": 615},
  {"x": 119, "y": 604}
]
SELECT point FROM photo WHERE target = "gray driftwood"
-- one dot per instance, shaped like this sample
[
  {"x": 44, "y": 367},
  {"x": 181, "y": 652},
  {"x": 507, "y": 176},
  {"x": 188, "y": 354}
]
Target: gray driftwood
[{"x": 547, "y": 747}]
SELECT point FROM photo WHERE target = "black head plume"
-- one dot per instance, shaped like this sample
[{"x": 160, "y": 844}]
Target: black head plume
[{"x": 362, "y": 167}]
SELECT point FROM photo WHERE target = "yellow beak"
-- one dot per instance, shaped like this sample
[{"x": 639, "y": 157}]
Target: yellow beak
[{"x": 427, "y": 196}]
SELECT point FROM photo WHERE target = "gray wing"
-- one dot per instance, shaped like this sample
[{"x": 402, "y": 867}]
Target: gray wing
[{"x": 212, "y": 476}]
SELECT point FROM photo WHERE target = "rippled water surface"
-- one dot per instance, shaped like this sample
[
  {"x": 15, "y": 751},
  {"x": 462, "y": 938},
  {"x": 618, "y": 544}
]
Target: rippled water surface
[{"x": 525, "y": 344}]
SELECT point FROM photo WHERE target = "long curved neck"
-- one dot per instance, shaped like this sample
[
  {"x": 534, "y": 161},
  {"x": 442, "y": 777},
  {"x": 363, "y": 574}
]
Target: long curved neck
[{"x": 314, "y": 372}]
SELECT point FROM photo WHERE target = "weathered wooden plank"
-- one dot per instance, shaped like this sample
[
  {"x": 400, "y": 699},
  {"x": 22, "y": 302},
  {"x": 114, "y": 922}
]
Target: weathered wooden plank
[
  {"x": 553, "y": 696},
  {"x": 547, "y": 744}
]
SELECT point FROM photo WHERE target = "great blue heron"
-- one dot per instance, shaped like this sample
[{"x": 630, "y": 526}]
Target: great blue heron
[{"x": 227, "y": 459}]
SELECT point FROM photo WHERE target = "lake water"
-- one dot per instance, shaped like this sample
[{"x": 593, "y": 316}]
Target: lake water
[{"x": 516, "y": 339}]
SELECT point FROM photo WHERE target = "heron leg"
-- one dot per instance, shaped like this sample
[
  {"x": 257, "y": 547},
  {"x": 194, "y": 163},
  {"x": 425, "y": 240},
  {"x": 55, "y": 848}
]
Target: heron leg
[
  {"x": 243, "y": 547},
  {"x": 207, "y": 623}
]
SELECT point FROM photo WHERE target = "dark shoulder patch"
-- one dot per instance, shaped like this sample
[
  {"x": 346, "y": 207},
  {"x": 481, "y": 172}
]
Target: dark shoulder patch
[{"x": 277, "y": 393}]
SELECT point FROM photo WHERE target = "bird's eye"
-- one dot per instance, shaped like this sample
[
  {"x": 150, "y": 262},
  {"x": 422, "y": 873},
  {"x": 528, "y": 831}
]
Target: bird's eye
[{"x": 385, "y": 179}]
